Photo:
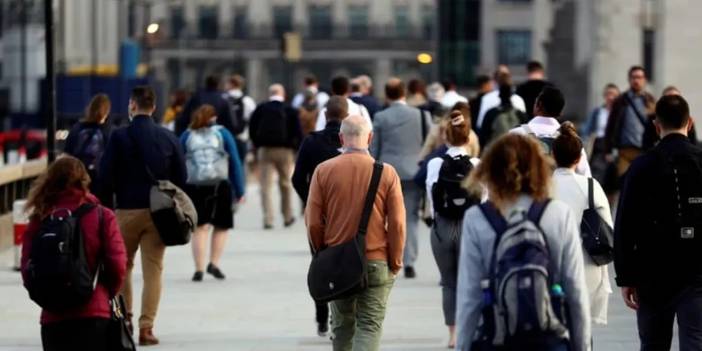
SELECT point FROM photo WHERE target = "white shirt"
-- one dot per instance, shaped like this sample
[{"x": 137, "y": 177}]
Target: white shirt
[
  {"x": 492, "y": 100},
  {"x": 354, "y": 109},
  {"x": 276, "y": 98},
  {"x": 249, "y": 103},
  {"x": 572, "y": 189},
  {"x": 321, "y": 96},
  {"x": 434, "y": 166},
  {"x": 451, "y": 97},
  {"x": 602, "y": 118},
  {"x": 548, "y": 127}
]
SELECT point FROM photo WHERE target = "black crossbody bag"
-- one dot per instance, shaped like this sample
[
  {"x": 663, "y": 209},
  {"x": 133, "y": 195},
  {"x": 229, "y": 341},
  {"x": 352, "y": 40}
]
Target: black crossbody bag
[
  {"x": 597, "y": 235},
  {"x": 340, "y": 271}
]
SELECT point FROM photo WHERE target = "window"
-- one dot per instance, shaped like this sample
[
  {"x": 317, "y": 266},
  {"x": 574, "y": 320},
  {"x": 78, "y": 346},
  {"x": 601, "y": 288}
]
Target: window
[
  {"x": 177, "y": 21},
  {"x": 320, "y": 21},
  {"x": 358, "y": 21},
  {"x": 240, "y": 23},
  {"x": 282, "y": 20},
  {"x": 649, "y": 49},
  {"x": 208, "y": 22},
  {"x": 513, "y": 46},
  {"x": 402, "y": 21},
  {"x": 131, "y": 19},
  {"x": 428, "y": 18}
]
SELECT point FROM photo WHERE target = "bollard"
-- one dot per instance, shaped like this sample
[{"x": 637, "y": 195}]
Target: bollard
[{"x": 20, "y": 220}]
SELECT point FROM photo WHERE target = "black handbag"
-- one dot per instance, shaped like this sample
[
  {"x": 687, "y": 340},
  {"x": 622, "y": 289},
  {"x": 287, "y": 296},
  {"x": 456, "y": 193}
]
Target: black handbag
[
  {"x": 596, "y": 234},
  {"x": 172, "y": 211},
  {"x": 118, "y": 334},
  {"x": 340, "y": 271}
]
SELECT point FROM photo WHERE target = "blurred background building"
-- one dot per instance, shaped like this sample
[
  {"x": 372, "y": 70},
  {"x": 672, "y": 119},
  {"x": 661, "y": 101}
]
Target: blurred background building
[{"x": 583, "y": 43}]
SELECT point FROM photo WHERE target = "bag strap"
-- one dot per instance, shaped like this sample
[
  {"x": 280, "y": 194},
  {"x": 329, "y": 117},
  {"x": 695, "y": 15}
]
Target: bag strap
[
  {"x": 590, "y": 193},
  {"x": 86, "y": 142},
  {"x": 536, "y": 211},
  {"x": 636, "y": 110},
  {"x": 370, "y": 200},
  {"x": 140, "y": 156},
  {"x": 496, "y": 220},
  {"x": 422, "y": 121}
]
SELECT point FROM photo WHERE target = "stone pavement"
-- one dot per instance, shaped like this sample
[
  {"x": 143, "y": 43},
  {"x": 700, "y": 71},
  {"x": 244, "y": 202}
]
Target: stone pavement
[{"x": 264, "y": 305}]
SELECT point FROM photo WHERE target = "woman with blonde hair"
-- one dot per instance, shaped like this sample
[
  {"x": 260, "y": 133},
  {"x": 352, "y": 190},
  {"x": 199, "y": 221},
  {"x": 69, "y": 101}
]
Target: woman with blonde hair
[
  {"x": 215, "y": 183},
  {"x": 518, "y": 178},
  {"x": 88, "y": 138}
]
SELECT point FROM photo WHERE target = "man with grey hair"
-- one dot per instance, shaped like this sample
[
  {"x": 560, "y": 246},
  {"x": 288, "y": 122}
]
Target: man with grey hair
[
  {"x": 333, "y": 214},
  {"x": 276, "y": 134},
  {"x": 361, "y": 93},
  {"x": 401, "y": 131}
]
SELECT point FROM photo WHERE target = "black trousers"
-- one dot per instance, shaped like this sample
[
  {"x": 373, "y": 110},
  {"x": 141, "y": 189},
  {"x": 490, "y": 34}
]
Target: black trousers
[
  {"x": 656, "y": 315},
  {"x": 322, "y": 311},
  {"x": 89, "y": 334}
]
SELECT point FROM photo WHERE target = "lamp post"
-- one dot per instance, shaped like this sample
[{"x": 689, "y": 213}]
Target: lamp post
[{"x": 50, "y": 80}]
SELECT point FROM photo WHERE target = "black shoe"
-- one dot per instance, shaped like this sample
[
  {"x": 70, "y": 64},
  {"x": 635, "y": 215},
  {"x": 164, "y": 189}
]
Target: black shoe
[
  {"x": 410, "y": 273},
  {"x": 322, "y": 329},
  {"x": 267, "y": 226},
  {"x": 197, "y": 277},
  {"x": 289, "y": 223},
  {"x": 214, "y": 270}
]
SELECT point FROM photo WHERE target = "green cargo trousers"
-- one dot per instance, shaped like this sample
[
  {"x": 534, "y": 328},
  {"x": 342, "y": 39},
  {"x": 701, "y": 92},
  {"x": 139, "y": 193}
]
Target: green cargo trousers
[{"x": 357, "y": 322}]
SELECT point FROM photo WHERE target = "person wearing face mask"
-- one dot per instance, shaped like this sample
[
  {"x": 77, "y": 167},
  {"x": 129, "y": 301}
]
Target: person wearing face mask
[
  {"x": 215, "y": 181},
  {"x": 135, "y": 157},
  {"x": 88, "y": 138}
]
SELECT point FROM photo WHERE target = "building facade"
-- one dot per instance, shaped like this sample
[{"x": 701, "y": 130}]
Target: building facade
[{"x": 380, "y": 38}]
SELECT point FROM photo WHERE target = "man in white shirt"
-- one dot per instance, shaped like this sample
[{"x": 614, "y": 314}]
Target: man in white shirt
[
  {"x": 312, "y": 85},
  {"x": 545, "y": 125},
  {"x": 342, "y": 87},
  {"x": 451, "y": 97},
  {"x": 492, "y": 99},
  {"x": 241, "y": 107}
]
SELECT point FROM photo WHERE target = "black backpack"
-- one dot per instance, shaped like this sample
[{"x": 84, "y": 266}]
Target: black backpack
[
  {"x": 236, "y": 109},
  {"x": 91, "y": 146},
  {"x": 58, "y": 275},
  {"x": 450, "y": 199},
  {"x": 273, "y": 128}
]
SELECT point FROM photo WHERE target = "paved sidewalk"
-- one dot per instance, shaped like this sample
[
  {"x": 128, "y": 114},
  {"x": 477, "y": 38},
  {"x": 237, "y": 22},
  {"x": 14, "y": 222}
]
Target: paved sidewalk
[{"x": 264, "y": 305}]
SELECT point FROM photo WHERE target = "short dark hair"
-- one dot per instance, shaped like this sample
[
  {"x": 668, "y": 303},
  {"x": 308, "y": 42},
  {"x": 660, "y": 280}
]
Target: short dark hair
[
  {"x": 394, "y": 89},
  {"x": 237, "y": 81},
  {"x": 340, "y": 85},
  {"x": 534, "y": 66},
  {"x": 672, "y": 112},
  {"x": 504, "y": 78},
  {"x": 417, "y": 86},
  {"x": 449, "y": 84},
  {"x": 636, "y": 68},
  {"x": 337, "y": 108},
  {"x": 483, "y": 79},
  {"x": 355, "y": 87},
  {"x": 212, "y": 82},
  {"x": 551, "y": 101},
  {"x": 144, "y": 97},
  {"x": 309, "y": 80},
  {"x": 611, "y": 86}
]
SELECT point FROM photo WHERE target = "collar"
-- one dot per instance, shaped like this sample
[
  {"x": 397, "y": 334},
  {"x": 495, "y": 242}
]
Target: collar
[
  {"x": 142, "y": 118},
  {"x": 673, "y": 137},
  {"x": 353, "y": 150},
  {"x": 399, "y": 102},
  {"x": 333, "y": 125},
  {"x": 563, "y": 170},
  {"x": 454, "y": 151},
  {"x": 313, "y": 89},
  {"x": 545, "y": 121},
  {"x": 236, "y": 93},
  {"x": 276, "y": 98}
]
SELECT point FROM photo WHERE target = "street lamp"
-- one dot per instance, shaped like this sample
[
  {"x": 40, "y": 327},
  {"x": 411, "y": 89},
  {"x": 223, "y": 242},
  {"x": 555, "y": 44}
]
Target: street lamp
[
  {"x": 425, "y": 58},
  {"x": 152, "y": 28}
]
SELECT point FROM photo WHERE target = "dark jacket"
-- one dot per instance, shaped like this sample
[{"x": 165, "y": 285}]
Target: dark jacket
[
  {"x": 106, "y": 248},
  {"x": 123, "y": 169},
  {"x": 474, "y": 104},
  {"x": 529, "y": 91},
  {"x": 215, "y": 98},
  {"x": 72, "y": 148},
  {"x": 434, "y": 107},
  {"x": 293, "y": 129},
  {"x": 315, "y": 149},
  {"x": 616, "y": 122},
  {"x": 369, "y": 102},
  {"x": 648, "y": 249}
]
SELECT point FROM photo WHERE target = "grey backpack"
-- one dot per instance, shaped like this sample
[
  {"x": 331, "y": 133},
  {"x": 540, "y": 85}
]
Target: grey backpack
[
  {"x": 527, "y": 309},
  {"x": 206, "y": 159}
]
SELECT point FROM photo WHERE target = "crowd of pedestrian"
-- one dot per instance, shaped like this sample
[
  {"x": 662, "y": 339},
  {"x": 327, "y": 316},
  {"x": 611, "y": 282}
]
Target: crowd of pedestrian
[{"x": 519, "y": 204}]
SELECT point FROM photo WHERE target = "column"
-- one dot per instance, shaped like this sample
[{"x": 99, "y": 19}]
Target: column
[
  {"x": 300, "y": 17},
  {"x": 191, "y": 15},
  {"x": 340, "y": 19},
  {"x": 260, "y": 17},
  {"x": 416, "y": 18},
  {"x": 381, "y": 17},
  {"x": 383, "y": 72},
  {"x": 226, "y": 18},
  {"x": 255, "y": 79}
]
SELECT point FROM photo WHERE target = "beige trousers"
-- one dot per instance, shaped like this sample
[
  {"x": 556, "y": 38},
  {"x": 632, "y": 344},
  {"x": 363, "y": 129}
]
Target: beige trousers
[
  {"x": 280, "y": 160},
  {"x": 139, "y": 231}
]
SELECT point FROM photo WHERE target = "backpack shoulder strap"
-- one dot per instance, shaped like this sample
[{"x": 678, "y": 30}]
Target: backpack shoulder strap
[
  {"x": 536, "y": 211},
  {"x": 590, "y": 193},
  {"x": 82, "y": 210},
  {"x": 493, "y": 216}
]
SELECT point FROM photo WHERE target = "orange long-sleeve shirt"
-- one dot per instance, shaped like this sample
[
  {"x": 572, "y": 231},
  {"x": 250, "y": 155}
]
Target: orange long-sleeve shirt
[{"x": 335, "y": 204}]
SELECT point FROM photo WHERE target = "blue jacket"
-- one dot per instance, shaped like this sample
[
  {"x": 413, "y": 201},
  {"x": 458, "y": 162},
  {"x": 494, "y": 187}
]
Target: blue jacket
[
  {"x": 123, "y": 165},
  {"x": 236, "y": 170},
  {"x": 369, "y": 102}
]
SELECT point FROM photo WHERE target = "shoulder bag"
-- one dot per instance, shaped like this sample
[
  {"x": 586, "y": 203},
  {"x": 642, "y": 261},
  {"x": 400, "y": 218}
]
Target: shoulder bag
[{"x": 597, "y": 235}]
